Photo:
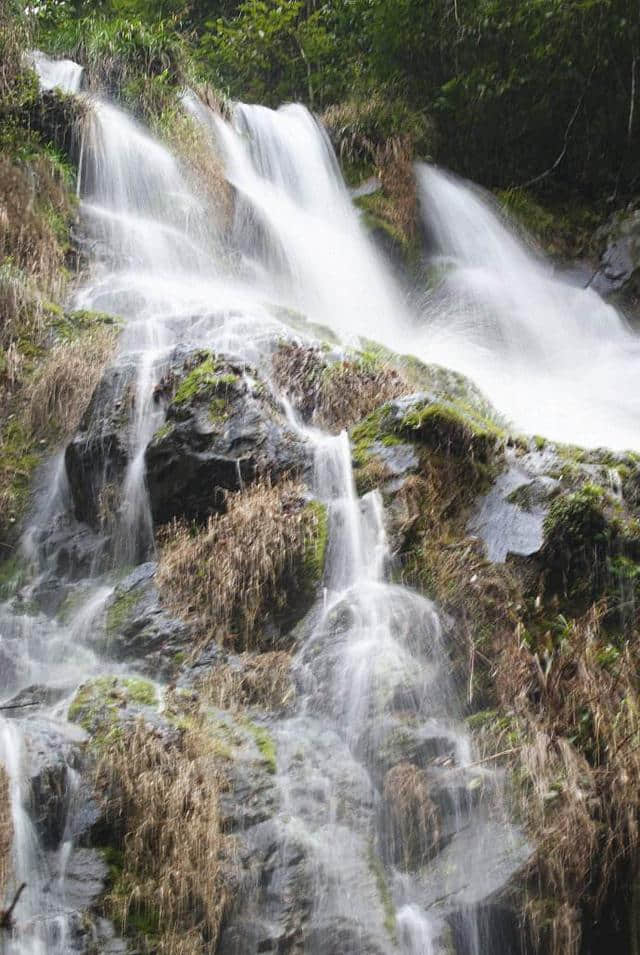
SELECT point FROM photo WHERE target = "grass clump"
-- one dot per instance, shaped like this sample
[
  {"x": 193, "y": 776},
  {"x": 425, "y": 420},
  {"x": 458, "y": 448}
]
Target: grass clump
[
  {"x": 262, "y": 680},
  {"x": 576, "y": 705},
  {"x": 335, "y": 395},
  {"x": 411, "y": 819},
  {"x": 143, "y": 63},
  {"x": 204, "y": 381},
  {"x": 447, "y": 428},
  {"x": 66, "y": 379},
  {"x": 245, "y": 566},
  {"x": 161, "y": 794}
]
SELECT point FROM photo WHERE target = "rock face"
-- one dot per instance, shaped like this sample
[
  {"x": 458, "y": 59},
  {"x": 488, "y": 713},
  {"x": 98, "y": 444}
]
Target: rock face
[
  {"x": 619, "y": 272},
  {"x": 138, "y": 628},
  {"x": 222, "y": 431},
  {"x": 97, "y": 457}
]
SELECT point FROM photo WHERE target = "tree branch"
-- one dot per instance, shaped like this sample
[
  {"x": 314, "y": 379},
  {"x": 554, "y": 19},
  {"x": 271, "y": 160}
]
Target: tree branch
[{"x": 6, "y": 917}]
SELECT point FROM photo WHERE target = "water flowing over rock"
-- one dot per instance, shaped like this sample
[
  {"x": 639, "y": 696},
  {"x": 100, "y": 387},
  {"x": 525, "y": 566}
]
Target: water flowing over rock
[{"x": 333, "y": 803}]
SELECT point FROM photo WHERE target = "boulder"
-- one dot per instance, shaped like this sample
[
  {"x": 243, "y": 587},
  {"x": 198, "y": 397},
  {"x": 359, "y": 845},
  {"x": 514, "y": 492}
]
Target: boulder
[{"x": 222, "y": 431}]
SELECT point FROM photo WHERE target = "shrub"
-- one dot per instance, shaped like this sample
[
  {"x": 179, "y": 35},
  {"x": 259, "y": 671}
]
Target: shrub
[{"x": 142, "y": 63}]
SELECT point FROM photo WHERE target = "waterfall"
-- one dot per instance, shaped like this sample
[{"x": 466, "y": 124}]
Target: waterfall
[
  {"x": 372, "y": 656},
  {"x": 296, "y": 226},
  {"x": 555, "y": 359},
  {"x": 63, "y": 75}
]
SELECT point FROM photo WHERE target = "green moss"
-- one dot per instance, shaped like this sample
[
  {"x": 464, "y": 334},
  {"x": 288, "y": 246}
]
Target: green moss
[
  {"x": 204, "y": 381},
  {"x": 265, "y": 743},
  {"x": 577, "y": 537},
  {"x": 97, "y": 704},
  {"x": 378, "y": 216},
  {"x": 12, "y": 574},
  {"x": 142, "y": 692},
  {"x": 446, "y": 427},
  {"x": 377, "y": 426},
  {"x": 218, "y": 410},
  {"x": 316, "y": 547},
  {"x": 163, "y": 431},
  {"x": 121, "y": 610},
  {"x": 384, "y": 892}
]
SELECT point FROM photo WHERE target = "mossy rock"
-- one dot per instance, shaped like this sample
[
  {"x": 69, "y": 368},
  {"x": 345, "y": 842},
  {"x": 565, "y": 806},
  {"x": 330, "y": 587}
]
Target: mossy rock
[
  {"x": 450, "y": 429},
  {"x": 222, "y": 432},
  {"x": 577, "y": 538},
  {"x": 101, "y": 705}
]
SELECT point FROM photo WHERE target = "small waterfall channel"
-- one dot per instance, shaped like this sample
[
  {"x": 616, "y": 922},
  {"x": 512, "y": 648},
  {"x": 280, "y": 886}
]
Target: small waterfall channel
[{"x": 372, "y": 663}]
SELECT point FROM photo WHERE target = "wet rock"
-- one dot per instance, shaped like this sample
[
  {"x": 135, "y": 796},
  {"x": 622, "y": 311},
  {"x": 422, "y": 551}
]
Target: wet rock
[
  {"x": 137, "y": 626},
  {"x": 53, "y": 756},
  {"x": 619, "y": 271},
  {"x": 340, "y": 936},
  {"x": 397, "y": 740},
  {"x": 509, "y": 518},
  {"x": 222, "y": 431},
  {"x": 97, "y": 456},
  {"x": 34, "y": 697}
]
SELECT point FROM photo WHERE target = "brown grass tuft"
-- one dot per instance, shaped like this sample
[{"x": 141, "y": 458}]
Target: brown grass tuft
[
  {"x": 262, "y": 680},
  {"x": 244, "y": 566},
  {"x": 412, "y": 824},
  {"x": 60, "y": 392},
  {"x": 6, "y": 829},
  {"x": 35, "y": 204},
  {"x": 335, "y": 395},
  {"x": 575, "y": 707},
  {"x": 163, "y": 796}
]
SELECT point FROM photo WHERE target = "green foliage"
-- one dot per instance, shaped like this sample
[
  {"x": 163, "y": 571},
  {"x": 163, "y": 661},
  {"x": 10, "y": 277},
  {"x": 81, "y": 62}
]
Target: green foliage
[
  {"x": 143, "y": 62},
  {"x": 272, "y": 51}
]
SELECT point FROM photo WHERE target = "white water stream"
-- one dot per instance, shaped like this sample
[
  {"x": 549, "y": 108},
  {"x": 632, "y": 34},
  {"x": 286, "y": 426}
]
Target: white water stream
[
  {"x": 553, "y": 358},
  {"x": 373, "y": 651}
]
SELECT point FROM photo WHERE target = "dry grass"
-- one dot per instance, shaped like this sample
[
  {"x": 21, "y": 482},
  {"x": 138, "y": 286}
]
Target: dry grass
[
  {"x": 60, "y": 392},
  {"x": 162, "y": 794},
  {"x": 34, "y": 205},
  {"x": 335, "y": 395},
  {"x": 244, "y": 566},
  {"x": 412, "y": 824},
  {"x": 577, "y": 707},
  {"x": 6, "y": 830},
  {"x": 566, "y": 704},
  {"x": 262, "y": 680},
  {"x": 394, "y": 166},
  {"x": 383, "y": 135},
  {"x": 429, "y": 517}
]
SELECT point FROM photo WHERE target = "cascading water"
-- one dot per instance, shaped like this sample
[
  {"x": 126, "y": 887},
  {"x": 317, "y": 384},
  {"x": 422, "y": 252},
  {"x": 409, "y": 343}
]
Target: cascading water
[
  {"x": 297, "y": 227},
  {"x": 64, "y": 75},
  {"x": 553, "y": 358},
  {"x": 371, "y": 661}
]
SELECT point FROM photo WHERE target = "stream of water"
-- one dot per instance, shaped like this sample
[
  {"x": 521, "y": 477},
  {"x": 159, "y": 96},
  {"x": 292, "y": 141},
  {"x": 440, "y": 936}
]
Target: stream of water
[{"x": 374, "y": 655}]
